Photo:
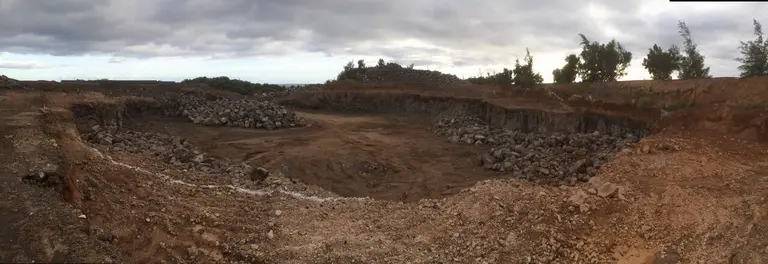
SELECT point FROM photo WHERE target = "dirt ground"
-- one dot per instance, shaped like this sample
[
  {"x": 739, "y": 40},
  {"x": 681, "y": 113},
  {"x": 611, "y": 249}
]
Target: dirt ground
[
  {"x": 382, "y": 157},
  {"x": 683, "y": 195}
]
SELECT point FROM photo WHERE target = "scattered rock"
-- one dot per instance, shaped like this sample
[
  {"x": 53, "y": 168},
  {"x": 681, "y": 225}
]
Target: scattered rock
[
  {"x": 173, "y": 150},
  {"x": 608, "y": 190},
  {"x": 578, "y": 198},
  {"x": 646, "y": 149},
  {"x": 259, "y": 174},
  {"x": 667, "y": 257}
]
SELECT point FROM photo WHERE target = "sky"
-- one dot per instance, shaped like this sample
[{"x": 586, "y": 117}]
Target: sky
[{"x": 309, "y": 41}]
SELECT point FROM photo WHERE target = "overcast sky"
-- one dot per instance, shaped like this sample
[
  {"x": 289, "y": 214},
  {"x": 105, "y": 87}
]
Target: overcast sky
[{"x": 308, "y": 41}]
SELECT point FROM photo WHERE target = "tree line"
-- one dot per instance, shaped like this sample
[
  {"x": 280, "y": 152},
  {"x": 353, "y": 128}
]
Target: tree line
[{"x": 606, "y": 62}]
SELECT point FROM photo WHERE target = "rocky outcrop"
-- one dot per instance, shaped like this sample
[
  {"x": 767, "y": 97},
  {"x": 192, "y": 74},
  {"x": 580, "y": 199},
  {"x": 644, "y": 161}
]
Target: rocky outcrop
[{"x": 524, "y": 120}]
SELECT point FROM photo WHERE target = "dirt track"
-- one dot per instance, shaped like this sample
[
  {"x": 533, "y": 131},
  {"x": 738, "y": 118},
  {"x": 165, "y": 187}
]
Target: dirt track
[{"x": 702, "y": 201}]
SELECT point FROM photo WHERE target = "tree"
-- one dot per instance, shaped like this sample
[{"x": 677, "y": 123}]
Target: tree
[
  {"x": 410, "y": 66},
  {"x": 523, "y": 74},
  {"x": 691, "y": 62},
  {"x": 346, "y": 73},
  {"x": 360, "y": 64},
  {"x": 754, "y": 60},
  {"x": 660, "y": 64},
  {"x": 381, "y": 63},
  {"x": 567, "y": 74},
  {"x": 602, "y": 62}
]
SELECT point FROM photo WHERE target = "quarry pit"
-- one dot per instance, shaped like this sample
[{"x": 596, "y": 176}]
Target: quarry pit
[{"x": 195, "y": 176}]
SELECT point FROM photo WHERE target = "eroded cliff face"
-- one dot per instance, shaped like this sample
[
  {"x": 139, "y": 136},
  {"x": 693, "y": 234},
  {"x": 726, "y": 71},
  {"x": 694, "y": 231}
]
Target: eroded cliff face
[{"x": 525, "y": 120}]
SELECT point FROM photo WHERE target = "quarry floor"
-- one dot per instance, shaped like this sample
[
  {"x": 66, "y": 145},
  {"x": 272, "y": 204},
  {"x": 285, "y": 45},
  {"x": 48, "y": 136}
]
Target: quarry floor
[
  {"x": 702, "y": 201},
  {"x": 376, "y": 156}
]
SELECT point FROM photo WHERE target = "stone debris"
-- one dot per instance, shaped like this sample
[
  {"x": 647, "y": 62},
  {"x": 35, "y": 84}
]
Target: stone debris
[
  {"x": 246, "y": 113},
  {"x": 174, "y": 150},
  {"x": 608, "y": 190},
  {"x": 554, "y": 158}
]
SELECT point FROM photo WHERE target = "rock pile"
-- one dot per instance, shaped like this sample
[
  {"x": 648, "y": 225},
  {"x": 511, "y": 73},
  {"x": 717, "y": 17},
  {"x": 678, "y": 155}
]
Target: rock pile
[
  {"x": 240, "y": 113},
  {"x": 394, "y": 73},
  {"x": 556, "y": 158},
  {"x": 9, "y": 83},
  {"x": 173, "y": 150}
]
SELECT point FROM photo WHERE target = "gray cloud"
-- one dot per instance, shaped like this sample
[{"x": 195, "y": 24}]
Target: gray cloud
[
  {"x": 22, "y": 65},
  {"x": 470, "y": 33}
]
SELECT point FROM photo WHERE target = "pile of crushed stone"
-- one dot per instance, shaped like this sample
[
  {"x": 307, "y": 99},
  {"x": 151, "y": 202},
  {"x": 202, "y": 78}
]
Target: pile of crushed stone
[
  {"x": 246, "y": 113},
  {"x": 554, "y": 158},
  {"x": 173, "y": 150}
]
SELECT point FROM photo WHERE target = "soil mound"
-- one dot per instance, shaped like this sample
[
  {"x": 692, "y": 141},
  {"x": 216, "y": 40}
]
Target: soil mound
[
  {"x": 394, "y": 73},
  {"x": 12, "y": 84}
]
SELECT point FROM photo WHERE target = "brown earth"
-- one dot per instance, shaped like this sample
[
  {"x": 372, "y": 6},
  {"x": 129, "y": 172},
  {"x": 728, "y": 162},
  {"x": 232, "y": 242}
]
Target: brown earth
[{"x": 692, "y": 192}]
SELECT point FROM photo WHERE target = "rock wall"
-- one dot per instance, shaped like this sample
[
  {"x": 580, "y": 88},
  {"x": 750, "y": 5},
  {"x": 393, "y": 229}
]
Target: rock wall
[{"x": 525, "y": 120}]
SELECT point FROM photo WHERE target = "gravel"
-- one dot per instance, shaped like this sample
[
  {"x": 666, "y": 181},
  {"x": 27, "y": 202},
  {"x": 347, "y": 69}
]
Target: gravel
[
  {"x": 246, "y": 113},
  {"x": 554, "y": 158},
  {"x": 170, "y": 149}
]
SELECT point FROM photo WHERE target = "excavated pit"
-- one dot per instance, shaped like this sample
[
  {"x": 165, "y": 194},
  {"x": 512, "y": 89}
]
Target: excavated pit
[
  {"x": 542, "y": 146},
  {"x": 401, "y": 148}
]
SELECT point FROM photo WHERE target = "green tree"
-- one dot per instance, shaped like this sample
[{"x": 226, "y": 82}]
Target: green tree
[
  {"x": 691, "y": 62},
  {"x": 660, "y": 64},
  {"x": 754, "y": 60},
  {"x": 346, "y": 72},
  {"x": 602, "y": 62},
  {"x": 567, "y": 74},
  {"x": 361, "y": 64},
  {"x": 524, "y": 75},
  {"x": 381, "y": 63}
]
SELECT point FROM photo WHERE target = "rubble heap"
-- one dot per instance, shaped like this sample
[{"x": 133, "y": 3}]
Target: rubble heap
[
  {"x": 172, "y": 150},
  {"x": 247, "y": 113},
  {"x": 555, "y": 158}
]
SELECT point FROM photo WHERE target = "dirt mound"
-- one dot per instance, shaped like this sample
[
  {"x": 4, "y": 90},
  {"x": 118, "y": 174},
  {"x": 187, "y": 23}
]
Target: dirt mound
[
  {"x": 394, "y": 73},
  {"x": 12, "y": 84}
]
